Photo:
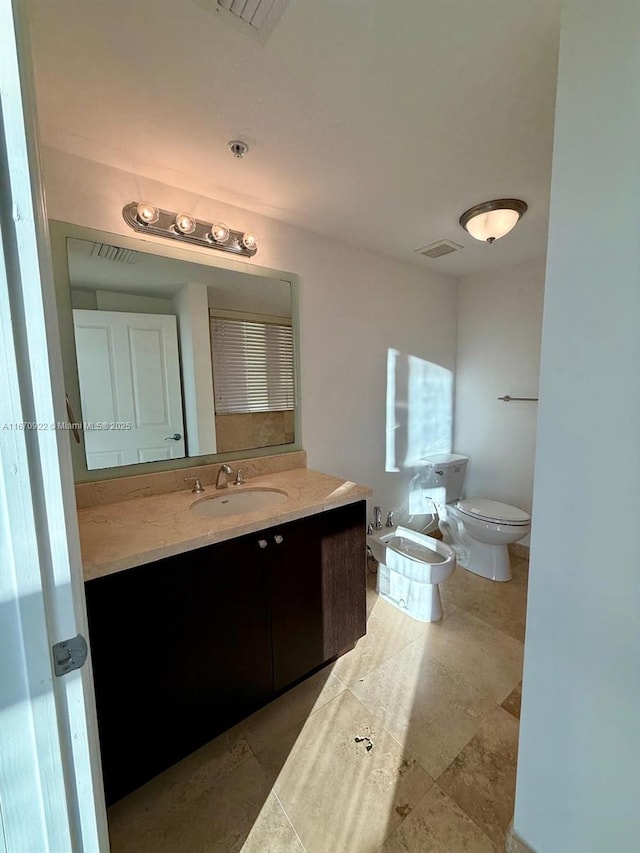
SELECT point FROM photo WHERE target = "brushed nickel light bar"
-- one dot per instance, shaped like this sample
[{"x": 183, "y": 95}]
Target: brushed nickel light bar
[{"x": 148, "y": 219}]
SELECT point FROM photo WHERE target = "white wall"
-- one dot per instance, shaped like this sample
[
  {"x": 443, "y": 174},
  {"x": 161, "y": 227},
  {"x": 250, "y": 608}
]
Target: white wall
[
  {"x": 192, "y": 308},
  {"x": 499, "y": 333},
  {"x": 113, "y": 300},
  {"x": 354, "y": 305},
  {"x": 578, "y": 787}
]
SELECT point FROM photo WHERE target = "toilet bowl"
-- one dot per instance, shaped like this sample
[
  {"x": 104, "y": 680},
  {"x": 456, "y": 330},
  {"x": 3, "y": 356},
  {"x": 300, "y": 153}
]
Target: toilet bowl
[
  {"x": 410, "y": 567},
  {"x": 480, "y": 530}
]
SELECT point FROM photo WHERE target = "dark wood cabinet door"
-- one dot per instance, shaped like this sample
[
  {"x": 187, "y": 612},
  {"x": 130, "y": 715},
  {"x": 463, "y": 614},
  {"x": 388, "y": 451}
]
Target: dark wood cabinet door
[
  {"x": 181, "y": 650},
  {"x": 231, "y": 672},
  {"x": 296, "y": 601},
  {"x": 343, "y": 558},
  {"x": 131, "y": 618},
  {"x": 318, "y": 590}
]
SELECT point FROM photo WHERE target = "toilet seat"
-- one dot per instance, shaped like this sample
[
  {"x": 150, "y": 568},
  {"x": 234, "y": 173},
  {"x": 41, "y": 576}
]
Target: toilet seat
[{"x": 494, "y": 512}]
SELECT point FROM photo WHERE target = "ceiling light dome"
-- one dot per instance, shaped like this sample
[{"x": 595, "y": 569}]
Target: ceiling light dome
[{"x": 493, "y": 219}]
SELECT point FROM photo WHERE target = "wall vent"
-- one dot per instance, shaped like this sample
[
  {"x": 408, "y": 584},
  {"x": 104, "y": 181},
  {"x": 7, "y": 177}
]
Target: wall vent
[
  {"x": 439, "y": 249},
  {"x": 114, "y": 253},
  {"x": 261, "y": 15}
]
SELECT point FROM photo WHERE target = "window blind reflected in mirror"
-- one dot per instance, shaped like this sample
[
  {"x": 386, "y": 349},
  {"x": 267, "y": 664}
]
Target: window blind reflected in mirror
[{"x": 253, "y": 366}]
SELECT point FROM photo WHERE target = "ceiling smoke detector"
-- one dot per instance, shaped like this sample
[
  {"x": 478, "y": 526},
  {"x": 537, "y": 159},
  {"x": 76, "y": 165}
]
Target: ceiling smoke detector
[
  {"x": 439, "y": 249},
  {"x": 238, "y": 148}
]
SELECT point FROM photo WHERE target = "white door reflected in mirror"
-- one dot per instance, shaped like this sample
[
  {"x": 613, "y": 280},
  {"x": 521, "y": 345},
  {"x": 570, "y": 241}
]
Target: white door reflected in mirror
[{"x": 130, "y": 390}]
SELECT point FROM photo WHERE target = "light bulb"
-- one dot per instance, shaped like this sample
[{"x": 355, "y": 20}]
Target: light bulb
[
  {"x": 249, "y": 241},
  {"x": 185, "y": 223},
  {"x": 147, "y": 213},
  {"x": 220, "y": 232}
]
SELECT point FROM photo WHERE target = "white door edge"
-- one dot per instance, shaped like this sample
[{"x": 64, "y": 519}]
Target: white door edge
[{"x": 50, "y": 780}]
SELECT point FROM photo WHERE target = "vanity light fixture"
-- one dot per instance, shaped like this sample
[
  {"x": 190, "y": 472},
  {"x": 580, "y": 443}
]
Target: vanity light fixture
[
  {"x": 493, "y": 219},
  {"x": 145, "y": 217}
]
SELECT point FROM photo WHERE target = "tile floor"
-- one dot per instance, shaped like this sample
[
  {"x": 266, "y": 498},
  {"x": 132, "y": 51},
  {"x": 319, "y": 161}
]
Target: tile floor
[{"x": 441, "y": 704}]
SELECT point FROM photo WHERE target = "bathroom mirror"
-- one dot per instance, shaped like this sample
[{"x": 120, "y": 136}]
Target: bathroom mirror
[{"x": 171, "y": 355}]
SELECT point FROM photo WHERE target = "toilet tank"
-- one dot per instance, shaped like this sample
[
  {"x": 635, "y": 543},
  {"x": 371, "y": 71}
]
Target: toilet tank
[{"x": 445, "y": 470}]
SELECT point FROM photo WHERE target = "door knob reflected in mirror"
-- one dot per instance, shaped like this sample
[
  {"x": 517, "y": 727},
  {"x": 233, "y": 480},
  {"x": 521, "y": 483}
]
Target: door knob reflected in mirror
[{"x": 175, "y": 437}]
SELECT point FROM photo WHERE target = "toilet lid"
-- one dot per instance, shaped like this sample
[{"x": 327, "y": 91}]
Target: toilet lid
[{"x": 495, "y": 511}]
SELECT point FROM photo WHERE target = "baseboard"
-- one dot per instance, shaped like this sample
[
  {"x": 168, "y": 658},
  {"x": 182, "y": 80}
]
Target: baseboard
[
  {"x": 514, "y": 844},
  {"x": 519, "y": 550}
]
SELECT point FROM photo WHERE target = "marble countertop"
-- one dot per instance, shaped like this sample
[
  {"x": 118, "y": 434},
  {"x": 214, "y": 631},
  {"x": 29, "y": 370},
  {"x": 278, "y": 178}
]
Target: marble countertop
[{"x": 132, "y": 532}]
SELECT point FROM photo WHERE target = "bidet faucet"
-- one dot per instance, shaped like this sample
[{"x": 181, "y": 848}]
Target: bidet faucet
[{"x": 223, "y": 472}]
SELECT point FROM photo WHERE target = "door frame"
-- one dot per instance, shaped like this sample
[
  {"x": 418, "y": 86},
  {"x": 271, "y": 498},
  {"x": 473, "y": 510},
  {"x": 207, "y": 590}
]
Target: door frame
[{"x": 51, "y": 796}]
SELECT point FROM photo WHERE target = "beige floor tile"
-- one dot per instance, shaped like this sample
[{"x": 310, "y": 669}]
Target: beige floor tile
[
  {"x": 272, "y": 832},
  {"x": 487, "y": 658},
  {"x": 196, "y": 772},
  {"x": 424, "y": 704},
  {"x": 502, "y": 605},
  {"x": 215, "y": 818},
  {"x": 340, "y": 797},
  {"x": 520, "y": 572},
  {"x": 482, "y": 779},
  {"x": 291, "y": 709},
  {"x": 438, "y": 825},
  {"x": 513, "y": 701},
  {"x": 388, "y": 631}
]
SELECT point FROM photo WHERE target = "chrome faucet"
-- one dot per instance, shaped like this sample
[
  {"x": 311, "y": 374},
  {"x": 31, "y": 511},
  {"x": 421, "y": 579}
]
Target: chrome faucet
[
  {"x": 198, "y": 488},
  {"x": 377, "y": 518},
  {"x": 223, "y": 472},
  {"x": 390, "y": 520}
]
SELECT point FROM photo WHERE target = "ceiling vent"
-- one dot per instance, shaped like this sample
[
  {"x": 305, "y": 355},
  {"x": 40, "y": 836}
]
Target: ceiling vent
[
  {"x": 261, "y": 16},
  {"x": 439, "y": 249},
  {"x": 114, "y": 253}
]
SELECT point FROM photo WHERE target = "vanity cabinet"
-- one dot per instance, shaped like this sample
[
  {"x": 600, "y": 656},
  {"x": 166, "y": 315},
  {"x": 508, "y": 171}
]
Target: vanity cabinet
[{"x": 185, "y": 647}]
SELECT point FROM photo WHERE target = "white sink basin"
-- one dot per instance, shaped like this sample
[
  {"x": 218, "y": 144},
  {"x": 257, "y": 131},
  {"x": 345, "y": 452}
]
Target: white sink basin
[{"x": 231, "y": 502}]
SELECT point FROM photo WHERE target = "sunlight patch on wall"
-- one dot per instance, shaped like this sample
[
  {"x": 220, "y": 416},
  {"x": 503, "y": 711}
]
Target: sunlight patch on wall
[{"x": 419, "y": 410}]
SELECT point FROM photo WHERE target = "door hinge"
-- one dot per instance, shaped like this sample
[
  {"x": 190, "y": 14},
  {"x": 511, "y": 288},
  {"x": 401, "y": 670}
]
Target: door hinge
[{"x": 69, "y": 654}]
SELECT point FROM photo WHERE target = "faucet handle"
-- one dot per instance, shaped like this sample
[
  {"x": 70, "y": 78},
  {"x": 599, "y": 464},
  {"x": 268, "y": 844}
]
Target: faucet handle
[
  {"x": 390, "y": 520},
  {"x": 197, "y": 485},
  {"x": 239, "y": 480}
]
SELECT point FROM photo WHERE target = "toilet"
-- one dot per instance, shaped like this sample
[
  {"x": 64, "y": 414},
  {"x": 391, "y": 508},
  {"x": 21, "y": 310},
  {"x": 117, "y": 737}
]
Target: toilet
[
  {"x": 411, "y": 565},
  {"x": 478, "y": 529}
]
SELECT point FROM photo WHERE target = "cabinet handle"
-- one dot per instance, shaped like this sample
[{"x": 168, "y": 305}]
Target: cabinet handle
[
  {"x": 278, "y": 539},
  {"x": 262, "y": 543}
]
